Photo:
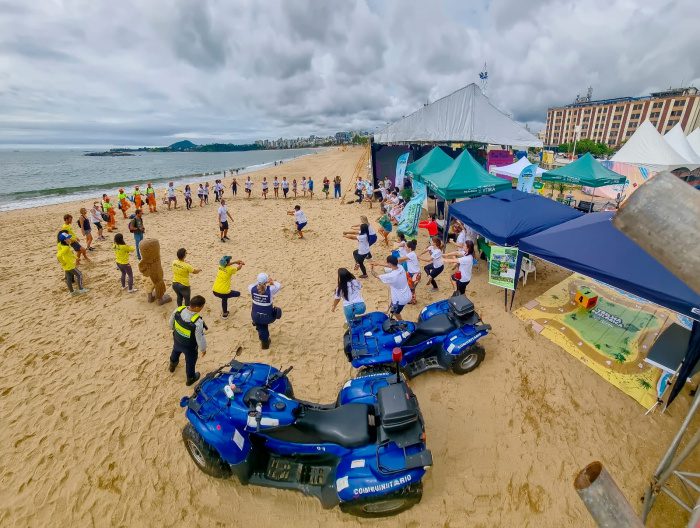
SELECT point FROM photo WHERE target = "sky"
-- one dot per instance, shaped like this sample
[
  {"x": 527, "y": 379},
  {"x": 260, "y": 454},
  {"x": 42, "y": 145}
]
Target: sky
[{"x": 151, "y": 72}]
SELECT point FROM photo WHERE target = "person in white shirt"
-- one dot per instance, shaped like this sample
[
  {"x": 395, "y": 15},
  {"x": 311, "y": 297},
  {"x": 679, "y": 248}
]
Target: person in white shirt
[
  {"x": 171, "y": 195},
  {"x": 412, "y": 267},
  {"x": 285, "y": 186},
  {"x": 436, "y": 265},
  {"x": 397, "y": 281},
  {"x": 96, "y": 219},
  {"x": 465, "y": 263},
  {"x": 349, "y": 291},
  {"x": 248, "y": 187},
  {"x": 299, "y": 219},
  {"x": 276, "y": 187},
  {"x": 224, "y": 215},
  {"x": 304, "y": 186},
  {"x": 265, "y": 186},
  {"x": 362, "y": 252}
]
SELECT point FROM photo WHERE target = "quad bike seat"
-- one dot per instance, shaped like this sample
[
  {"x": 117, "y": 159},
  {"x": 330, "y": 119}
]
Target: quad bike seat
[
  {"x": 437, "y": 325},
  {"x": 347, "y": 425}
]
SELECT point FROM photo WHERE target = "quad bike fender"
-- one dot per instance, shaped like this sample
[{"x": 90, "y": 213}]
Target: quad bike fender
[
  {"x": 364, "y": 388},
  {"x": 462, "y": 338},
  {"x": 357, "y": 476},
  {"x": 232, "y": 443}
]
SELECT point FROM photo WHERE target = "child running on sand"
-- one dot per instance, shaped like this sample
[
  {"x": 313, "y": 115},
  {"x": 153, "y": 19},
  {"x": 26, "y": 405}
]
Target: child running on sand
[
  {"x": 276, "y": 187},
  {"x": 222, "y": 283},
  {"x": 248, "y": 187},
  {"x": 121, "y": 254},
  {"x": 265, "y": 186},
  {"x": 85, "y": 228},
  {"x": 299, "y": 218},
  {"x": 285, "y": 186},
  {"x": 68, "y": 261}
]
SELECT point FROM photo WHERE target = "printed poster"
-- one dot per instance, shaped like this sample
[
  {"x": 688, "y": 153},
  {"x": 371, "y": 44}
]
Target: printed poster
[{"x": 502, "y": 266}]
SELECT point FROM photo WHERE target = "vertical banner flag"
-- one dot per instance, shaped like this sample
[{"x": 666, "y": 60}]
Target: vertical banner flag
[
  {"x": 527, "y": 179},
  {"x": 408, "y": 218},
  {"x": 401, "y": 169}
]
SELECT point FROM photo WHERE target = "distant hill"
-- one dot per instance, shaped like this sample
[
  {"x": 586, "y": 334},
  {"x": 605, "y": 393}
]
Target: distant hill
[{"x": 183, "y": 145}]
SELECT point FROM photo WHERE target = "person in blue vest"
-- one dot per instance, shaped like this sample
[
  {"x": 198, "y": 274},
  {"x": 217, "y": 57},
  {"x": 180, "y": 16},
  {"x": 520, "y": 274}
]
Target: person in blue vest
[
  {"x": 263, "y": 312},
  {"x": 188, "y": 337}
]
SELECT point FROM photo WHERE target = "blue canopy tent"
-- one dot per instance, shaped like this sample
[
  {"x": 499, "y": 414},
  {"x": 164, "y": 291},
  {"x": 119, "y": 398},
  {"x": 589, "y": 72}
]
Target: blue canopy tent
[
  {"x": 507, "y": 216},
  {"x": 591, "y": 245}
]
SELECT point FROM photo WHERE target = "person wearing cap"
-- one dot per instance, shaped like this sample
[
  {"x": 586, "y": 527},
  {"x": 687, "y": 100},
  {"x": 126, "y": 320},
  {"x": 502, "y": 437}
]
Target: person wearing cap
[
  {"x": 188, "y": 337},
  {"x": 123, "y": 200},
  {"x": 68, "y": 261},
  {"x": 397, "y": 281},
  {"x": 138, "y": 201},
  {"x": 263, "y": 312},
  {"x": 222, "y": 283}
]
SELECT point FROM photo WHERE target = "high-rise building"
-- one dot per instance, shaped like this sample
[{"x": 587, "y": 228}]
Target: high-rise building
[{"x": 613, "y": 121}]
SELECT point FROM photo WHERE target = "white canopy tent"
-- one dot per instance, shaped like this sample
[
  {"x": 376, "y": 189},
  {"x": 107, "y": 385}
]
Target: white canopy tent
[
  {"x": 514, "y": 169},
  {"x": 694, "y": 140},
  {"x": 676, "y": 138},
  {"x": 465, "y": 115},
  {"x": 647, "y": 147}
]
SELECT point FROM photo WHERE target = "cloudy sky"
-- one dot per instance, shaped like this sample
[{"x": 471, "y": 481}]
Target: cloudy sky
[{"x": 147, "y": 72}]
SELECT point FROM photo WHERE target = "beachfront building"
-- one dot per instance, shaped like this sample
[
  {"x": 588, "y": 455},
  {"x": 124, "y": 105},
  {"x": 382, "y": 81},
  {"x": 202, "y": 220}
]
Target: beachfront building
[{"x": 613, "y": 121}]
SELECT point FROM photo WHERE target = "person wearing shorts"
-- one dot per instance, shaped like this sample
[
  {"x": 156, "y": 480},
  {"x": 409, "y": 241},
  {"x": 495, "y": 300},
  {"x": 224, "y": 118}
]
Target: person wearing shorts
[
  {"x": 85, "y": 228},
  {"x": 397, "y": 281},
  {"x": 224, "y": 216},
  {"x": 276, "y": 187},
  {"x": 265, "y": 186},
  {"x": 362, "y": 252},
  {"x": 248, "y": 187},
  {"x": 181, "y": 277},
  {"x": 299, "y": 219},
  {"x": 285, "y": 186},
  {"x": 465, "y": 262},
  {"x": 171, "y": 195},
  {"x": 437, "y": 265},
  {"x": 96, "y": 219}
]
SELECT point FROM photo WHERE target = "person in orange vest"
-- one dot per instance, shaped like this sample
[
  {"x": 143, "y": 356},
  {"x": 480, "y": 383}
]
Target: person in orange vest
[
  {"x": 123, "y": 201},
  {"x": 138, "y": 201},
  {"x": 151, "y": 197},
  {"x": 108, "y": 208}
]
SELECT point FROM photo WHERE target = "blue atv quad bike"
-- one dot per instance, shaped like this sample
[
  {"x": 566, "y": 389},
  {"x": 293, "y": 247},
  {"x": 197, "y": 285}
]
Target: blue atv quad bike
[
  {"x": 445, "y": 338},
  {"x": 366, "y": 452}
]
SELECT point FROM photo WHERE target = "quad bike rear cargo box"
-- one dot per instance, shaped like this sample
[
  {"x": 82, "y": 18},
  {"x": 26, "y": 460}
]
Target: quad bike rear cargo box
[
  {"x": 461, "y": 306},
  {"x": 397, "y": 409}
]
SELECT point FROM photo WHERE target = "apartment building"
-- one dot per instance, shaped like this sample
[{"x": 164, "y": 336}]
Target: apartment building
[{"x": 612, "y": 121}]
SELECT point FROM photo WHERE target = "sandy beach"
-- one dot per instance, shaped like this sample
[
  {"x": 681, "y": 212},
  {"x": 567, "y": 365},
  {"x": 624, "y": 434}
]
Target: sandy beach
[{"x": 91, "y": 417}]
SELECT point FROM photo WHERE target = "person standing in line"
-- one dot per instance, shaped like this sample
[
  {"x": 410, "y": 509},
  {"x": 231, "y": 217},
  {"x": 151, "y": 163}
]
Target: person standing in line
[
  {"x": 359, "y": 189},
  {"x": 336, "y": 187},
  {"x": 299, "y": 219},
  {"x": 397, "y": 281},
  {"x": 217, "y": 191},
  {"x": 248, "y": 187},
  {"x": 96, "y": 219},
  {"x": 326, "y": 186},
  {"x": 304, "y": 186},
  {"x": 276, "y": 187},
  {"x": 188, "y": 197},
  {"x": 181, "y": 277},
  {"x": 263, "y": 312},
  {"x": 362, "y": 252},
  {"x": 188, "y": 337},
  {"x": 68, "y": 261},
  {"x": 437, "y": 265},
  {"x": 85, "y": 228},
  {"x": 294, "y": 187},
  {"x": 224, "y": 215},
  {"x": 200, "y": 195},
  {"x": 465, "y": 263},
  {"x": 310, "y": 184},
  {"x": 222, "y": 283},
  {"x": 108, "y": 208},
  {"x": 121, "y": 255},
  {"x": 151, "y": 198},
  {"x": 431, "y": 225},
  {"x": 138, "y": 200},
  {"x": 137, "y": 228},
  {"x": 206, "y": 193},
  {"x": 172, "y": 198},
  {"x": 74, "y": 241},
  {"x": 285, "y": 186},
  {"x": 234, "y": 187},
  {"x": 265, "y": 186},
  {"x": 349, "y": 290},
  {"x": 123, "y": 201}
]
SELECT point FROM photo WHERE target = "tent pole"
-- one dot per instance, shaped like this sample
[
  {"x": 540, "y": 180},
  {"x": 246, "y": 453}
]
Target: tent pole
[
  {"x": 505, "y": 301},
  {"x": 512, "y": 296},
  {"x": 592, "y": 196}
]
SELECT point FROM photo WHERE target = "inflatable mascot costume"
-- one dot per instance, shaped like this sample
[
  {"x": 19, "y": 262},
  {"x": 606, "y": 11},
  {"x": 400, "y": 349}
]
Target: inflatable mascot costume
[{"x": 151, "y": 267}]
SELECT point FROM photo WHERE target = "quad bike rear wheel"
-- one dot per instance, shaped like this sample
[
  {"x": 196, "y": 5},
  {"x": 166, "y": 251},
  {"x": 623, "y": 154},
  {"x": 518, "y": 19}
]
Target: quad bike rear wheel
[
  {"x": 469, "y": 359},
  {"x": 386, "y": 505},
  {"x": 205, "y": 456}
]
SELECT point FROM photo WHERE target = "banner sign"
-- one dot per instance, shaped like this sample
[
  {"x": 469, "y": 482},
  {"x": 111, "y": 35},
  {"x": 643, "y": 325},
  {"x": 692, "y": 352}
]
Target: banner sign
[
  {"x": 502, "y": 266},
  {"x": 408, "y": 219},
  {"x": 526, "y": 179},
  {"x": 401, "y": 163},
  {"x": 498, "y": 158}
]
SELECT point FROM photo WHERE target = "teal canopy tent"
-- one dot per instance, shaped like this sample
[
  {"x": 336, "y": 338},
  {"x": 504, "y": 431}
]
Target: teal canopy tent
[
  {"x": 463, "y": 178},
  {"x": 586, "y": 171},
  {"x": 434, "y": 161}
]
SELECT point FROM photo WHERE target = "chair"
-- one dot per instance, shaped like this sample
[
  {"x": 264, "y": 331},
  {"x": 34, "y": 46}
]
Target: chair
[{"x": 527, "y": 267}]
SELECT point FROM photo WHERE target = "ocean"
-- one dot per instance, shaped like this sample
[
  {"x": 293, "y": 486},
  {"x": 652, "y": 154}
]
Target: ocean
[{"x": 29, "y": 178}]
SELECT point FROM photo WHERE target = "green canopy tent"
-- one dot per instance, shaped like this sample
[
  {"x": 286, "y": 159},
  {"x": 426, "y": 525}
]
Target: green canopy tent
[
  {"x": 434, "y": 161},
  {"x": 463, "y": 178},
  {"x": 586, "y": 171}
]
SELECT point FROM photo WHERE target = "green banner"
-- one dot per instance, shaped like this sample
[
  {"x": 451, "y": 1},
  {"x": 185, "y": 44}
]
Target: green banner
[
  {"x": 502, "y": 266},
  {"x": 538, "y": 185}
]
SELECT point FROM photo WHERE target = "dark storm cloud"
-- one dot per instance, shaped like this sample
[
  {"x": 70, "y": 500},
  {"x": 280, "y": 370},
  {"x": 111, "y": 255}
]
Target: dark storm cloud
[{"x": 78, "y": 72}]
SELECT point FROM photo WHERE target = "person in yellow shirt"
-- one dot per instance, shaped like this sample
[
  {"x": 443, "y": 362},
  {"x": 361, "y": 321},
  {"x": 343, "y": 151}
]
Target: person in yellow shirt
[
  {"x": 121, "y": 254},
  {"x": 123, "y": 201},
  {"x": 222, "y": 283},
  {"x": 74, "y": 241},
  {"x": 181, "y": 277},
  {"x": 68, "y": 261}
]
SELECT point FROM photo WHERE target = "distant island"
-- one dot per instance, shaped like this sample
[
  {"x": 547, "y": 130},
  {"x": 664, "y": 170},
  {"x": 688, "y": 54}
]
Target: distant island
[{"x": 181, "y": 146}]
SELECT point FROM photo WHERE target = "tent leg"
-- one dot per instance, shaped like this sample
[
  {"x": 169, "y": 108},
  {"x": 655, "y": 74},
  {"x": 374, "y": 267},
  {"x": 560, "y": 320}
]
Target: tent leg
[
  {"x": 512, "y": 296},
  {"x": 592, "y": 196},
  {"x": 505, "y": 300}
]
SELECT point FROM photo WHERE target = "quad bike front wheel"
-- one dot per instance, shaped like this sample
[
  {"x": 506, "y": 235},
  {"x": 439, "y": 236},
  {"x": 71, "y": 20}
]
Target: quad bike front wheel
[
  {"x": 469, "y": 359},
  {"x": 205, "y": 456},
  {"x": 386, "y": 505}
]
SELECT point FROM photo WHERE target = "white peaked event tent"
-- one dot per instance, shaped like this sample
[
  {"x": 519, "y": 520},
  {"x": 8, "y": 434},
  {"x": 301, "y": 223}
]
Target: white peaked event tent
[
  {"x": 465, "y": 115},
  {"x": 647, "y": 147},
  {"x": 694, "y": 140},
  {"x": 676, "y": 138},
  {"x": 514, "y": 169}
]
